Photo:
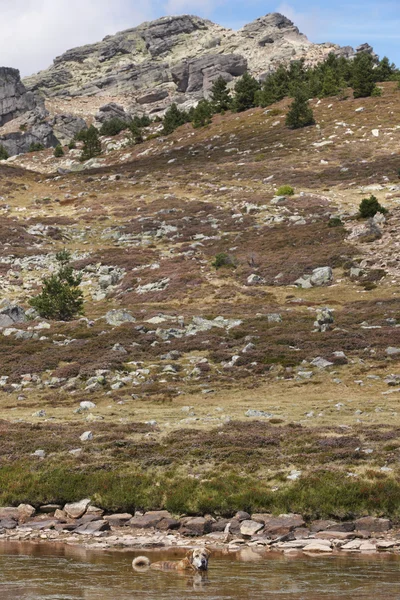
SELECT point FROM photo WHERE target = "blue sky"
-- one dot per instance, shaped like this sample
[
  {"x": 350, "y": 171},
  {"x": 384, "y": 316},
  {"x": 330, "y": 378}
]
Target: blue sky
[{"x": 33, "y": 32}]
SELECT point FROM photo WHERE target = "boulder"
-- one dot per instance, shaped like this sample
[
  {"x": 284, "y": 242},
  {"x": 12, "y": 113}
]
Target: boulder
[
  {"x": 118, "y": 317},
  {"x": 195, "y": 526},
  {"x": 373, "y": 524},
  {"x": 277, "y": 526},
  {"x": 11, "y": 314},
  {"x": 319, "y": 546},
  {"x": 92, "y": 527},
  {"x": 155, "y": 95},
  {"x": 324, "y": 319},
  {"x": 149, "y": 519},
  {"x": 118, "y": 520},
  {"x": 319, "y": 277},
  {"x": 26, "y": 511},
  {"x": 8, "y": 524},
  {"x": 75, "y": 510},
  {"x": 249, "y": 528},
  {"x": 9, "y": 513},
  {"x": 66, "y": 126},
  {"x": 110, "y": 111},
  {"x": 167, "y": 524}
]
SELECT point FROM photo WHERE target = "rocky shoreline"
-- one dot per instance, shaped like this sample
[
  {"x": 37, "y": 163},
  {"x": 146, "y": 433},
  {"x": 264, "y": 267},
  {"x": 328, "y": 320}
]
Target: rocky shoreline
[{"x": 86, "y": 525}]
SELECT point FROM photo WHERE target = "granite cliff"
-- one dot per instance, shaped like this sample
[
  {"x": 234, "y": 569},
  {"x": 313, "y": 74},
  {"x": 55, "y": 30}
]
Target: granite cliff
[{"x": 177, "y": 59}]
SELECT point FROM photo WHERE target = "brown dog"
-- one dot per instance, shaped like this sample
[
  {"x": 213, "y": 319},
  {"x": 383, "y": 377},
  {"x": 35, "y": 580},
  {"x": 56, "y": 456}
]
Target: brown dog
[{"x": 195, "y": 560}]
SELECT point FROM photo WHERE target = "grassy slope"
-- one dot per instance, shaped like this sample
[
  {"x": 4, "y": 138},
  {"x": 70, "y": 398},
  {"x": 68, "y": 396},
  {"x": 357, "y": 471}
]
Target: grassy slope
[{"x": 201, "y": 183}]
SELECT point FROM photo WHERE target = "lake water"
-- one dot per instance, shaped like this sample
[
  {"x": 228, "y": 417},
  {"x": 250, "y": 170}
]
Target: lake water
[{"x": 50, "y": 572}]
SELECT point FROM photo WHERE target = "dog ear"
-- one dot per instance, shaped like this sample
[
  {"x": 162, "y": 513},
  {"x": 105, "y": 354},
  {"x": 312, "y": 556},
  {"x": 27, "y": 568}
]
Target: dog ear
[
  {"x": 207, "y": 551},
  {"x": 189, "y": 555}
]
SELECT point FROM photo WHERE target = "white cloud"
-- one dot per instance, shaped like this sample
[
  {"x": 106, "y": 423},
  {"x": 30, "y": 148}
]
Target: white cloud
[{"x": 34, "y": 32}]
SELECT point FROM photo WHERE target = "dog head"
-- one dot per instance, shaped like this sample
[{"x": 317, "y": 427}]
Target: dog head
[{"x": 199, "y": 558}]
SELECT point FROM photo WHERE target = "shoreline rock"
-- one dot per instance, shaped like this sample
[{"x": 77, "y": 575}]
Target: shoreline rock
[{"x": 81, "y": 523}]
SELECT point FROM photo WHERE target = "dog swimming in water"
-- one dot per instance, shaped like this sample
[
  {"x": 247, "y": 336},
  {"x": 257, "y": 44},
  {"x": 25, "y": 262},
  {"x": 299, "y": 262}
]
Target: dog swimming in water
[{"x": 195, "y": 560}]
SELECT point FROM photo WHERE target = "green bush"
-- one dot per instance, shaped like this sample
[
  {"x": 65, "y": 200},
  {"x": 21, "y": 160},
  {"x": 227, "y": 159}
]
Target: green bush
[
  {"x": 113, "y": 126},
  {"x": 3, "y": 153},
  {"x": 369, "y": 207},
  {"x": 36, "y": 147},
  {"x": 58, "y": 151},
  {"x": 285, "y": 190},
  {"x": 376, "y": 92},
  {"x": 72, "y": 145},
  {"x": 143, "y": 121},
  {"x": 335, "y": 222},
  {"x": 223, "y": 260},
  {"x": 60, "y": 298}
]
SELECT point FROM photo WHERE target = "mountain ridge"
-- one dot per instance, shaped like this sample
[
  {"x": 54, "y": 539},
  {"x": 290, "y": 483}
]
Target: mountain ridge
[{"x": 177, "y": 59}]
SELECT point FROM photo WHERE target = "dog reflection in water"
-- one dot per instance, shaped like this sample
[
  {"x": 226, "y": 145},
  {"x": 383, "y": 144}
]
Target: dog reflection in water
[{"x": 196, "y": 560}]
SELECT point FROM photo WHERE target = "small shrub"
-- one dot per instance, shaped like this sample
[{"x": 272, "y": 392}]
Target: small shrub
[
  {"x": 369, "y": 207},
  {"x": 369, "y": 285},
  {"x": 61, "y": 297},
  {"x": 72, "y": 145},
  {"x": 335, "y": 222},
  {"x": 58, "y": 151},
  {"x": 376, "y": 92},
  {"x": 36, "y": 147},
  {"x": 223, "y": 260},
  {"x": 143, "y": 121},
  {"x": 3, "y": 153},
  {"x": 113, "y": 126},
  {"x": 285, "y": 190}
]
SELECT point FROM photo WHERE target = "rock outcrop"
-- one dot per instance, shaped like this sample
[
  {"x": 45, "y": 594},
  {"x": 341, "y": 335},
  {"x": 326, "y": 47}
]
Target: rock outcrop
[
  {"x": 14, "y": 98},
  {"x": 176, "y": 59},
  {"x": 24, "y": 119}
]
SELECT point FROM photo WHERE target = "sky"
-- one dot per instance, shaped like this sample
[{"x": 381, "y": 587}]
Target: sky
[{"x": 34, "y": 32}]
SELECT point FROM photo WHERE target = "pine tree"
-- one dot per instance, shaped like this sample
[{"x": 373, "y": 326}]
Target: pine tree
[
  {"x": 135, "y": 136},
  {"x": 274, "y": 88},
  {"x": 245, "y": 93},
  {"x": 220, "y": 97},
  {"x": 202, "y": 114},
  {"x": 300, "y": 113},
  {"x": 385, "y": 70},
  {"x": 91, "y": 143},
  {"x": 363, "y": 75},
  {"x": 173, "y": 119},
  {"x": 330, "y": 84},
  {"x": 60, "y": 297}
]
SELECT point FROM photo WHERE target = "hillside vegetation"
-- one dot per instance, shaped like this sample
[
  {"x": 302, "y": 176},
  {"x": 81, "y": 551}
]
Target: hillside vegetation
[{"x": 219, "y": 384}]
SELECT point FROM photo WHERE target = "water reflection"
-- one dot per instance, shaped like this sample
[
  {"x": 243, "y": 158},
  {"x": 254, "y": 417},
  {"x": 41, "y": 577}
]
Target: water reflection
[{"x": 56, "y": 572}]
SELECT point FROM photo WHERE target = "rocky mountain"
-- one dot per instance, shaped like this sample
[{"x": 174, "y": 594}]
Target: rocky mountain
[
  {"x": 144, "y": 70},
  {"x": 176, "y": 59}
]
